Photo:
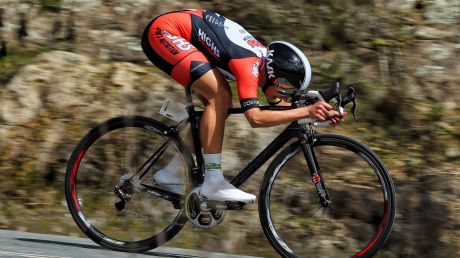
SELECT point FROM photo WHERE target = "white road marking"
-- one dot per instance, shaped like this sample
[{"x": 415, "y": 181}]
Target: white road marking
[{"x": 5, "y": 254}]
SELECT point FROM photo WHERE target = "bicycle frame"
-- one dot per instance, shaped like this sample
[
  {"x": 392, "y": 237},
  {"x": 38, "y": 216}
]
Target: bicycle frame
[{"x": 293, "y": 130}]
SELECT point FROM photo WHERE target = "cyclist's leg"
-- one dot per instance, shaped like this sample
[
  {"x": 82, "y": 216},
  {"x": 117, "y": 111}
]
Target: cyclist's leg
[
  {"x": 216, "y": 95},
  {"x": 170, "y": 51},
  {"x": 166, "y": 48},
  {"x": 191, "y": 68}
]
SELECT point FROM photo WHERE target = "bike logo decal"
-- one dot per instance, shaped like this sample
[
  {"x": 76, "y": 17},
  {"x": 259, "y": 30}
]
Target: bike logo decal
[{"x": 316, "y": 179}]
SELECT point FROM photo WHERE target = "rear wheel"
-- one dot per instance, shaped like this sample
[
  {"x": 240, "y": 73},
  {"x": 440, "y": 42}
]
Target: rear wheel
[
  {"x": 362, "y": 193},
  {"x": 110, "y": 189}
]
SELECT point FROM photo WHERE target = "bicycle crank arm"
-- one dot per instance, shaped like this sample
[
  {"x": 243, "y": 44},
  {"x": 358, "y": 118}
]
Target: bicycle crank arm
[{"x": 206, "y": 205}]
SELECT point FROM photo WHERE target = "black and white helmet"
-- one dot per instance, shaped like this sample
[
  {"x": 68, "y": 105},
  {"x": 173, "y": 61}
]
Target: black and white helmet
[{"x": 287, "y": 65}]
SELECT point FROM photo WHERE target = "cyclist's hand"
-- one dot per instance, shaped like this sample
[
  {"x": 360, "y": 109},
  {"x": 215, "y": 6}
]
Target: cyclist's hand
[
  {"x": 322, "y": 111},
  {"x": 336, "y": 119}
]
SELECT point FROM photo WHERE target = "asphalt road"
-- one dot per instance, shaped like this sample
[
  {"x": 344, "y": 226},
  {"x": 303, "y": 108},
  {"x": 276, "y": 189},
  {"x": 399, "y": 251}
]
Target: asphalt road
[{"x": 21, "y": 244}]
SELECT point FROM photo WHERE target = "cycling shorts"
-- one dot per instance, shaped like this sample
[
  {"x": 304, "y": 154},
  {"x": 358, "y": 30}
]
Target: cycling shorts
[{"x": 166, "y": 43}]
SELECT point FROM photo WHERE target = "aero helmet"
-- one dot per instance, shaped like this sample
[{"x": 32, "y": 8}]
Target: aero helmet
[{"x": 287, "y": 65}]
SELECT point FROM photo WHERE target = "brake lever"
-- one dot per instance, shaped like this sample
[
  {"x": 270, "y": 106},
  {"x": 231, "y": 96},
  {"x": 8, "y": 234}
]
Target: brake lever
[
  {"x": 333, "y": 92},
  {"x": 339, "y": 106},
  {"x": 350, "y": 97}
]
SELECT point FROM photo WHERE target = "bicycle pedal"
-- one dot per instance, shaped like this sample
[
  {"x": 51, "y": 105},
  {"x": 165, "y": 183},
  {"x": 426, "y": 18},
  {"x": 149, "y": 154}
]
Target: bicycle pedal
[
  {"x": 202, "y": 213},
  {"x": 235, "y": 205}
]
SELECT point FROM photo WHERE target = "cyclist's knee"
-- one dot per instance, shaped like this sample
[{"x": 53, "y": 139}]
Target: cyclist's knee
[
  {"x": 213, "y": 90},
  {"x": 224, "y": 97}
]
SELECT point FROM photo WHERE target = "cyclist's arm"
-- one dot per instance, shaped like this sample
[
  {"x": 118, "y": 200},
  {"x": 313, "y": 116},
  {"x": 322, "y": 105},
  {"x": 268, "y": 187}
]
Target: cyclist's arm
[
  {"x": 247, "y": 82},
  {"x": 273, "y": 97},
  {"x": 266, "y": 118}
]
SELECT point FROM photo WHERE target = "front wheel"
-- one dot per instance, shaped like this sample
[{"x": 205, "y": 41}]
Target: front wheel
[
  {"x": 110, "y": 188},
  {"x": 362, "y": 193}
]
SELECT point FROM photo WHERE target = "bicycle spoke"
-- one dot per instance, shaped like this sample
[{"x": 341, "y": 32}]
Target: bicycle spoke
[
  {"x": 113, "y": 204},
  {"x": 153, "y": 158},
  {"x": 349, "y": 225}
]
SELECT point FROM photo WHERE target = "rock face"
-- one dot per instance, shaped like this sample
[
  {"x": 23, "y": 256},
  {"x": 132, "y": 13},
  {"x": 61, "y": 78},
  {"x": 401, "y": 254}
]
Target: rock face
[
  {"x": 66, "y": 81},
  {"x": 401, "y": 54}
]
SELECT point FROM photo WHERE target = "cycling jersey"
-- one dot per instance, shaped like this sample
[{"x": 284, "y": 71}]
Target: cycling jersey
[{"x": 187, "y": 44}]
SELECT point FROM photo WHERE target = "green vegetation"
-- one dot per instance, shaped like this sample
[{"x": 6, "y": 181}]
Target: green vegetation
[
  {"x": 51, "y": 4},
  {"x": 409, "y": 120},
  {"x": 12, "y": 63}
]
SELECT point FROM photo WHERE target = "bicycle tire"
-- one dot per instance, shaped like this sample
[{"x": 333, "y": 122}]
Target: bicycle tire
[
  {"x": 89, "y": 185},
  {"x": 287, "y": 214}
]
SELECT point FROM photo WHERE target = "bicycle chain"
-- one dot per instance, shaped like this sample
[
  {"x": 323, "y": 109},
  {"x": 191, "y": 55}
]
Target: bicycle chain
[{"x": 147, "y": 217}]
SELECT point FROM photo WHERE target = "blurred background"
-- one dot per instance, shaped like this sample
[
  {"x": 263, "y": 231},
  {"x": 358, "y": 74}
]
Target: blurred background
[{"x": 67, "y": 65}]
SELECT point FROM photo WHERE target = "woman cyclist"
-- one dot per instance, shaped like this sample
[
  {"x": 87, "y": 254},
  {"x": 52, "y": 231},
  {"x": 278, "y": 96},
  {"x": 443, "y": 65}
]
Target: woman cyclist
[{"x": 201, "y": 49}]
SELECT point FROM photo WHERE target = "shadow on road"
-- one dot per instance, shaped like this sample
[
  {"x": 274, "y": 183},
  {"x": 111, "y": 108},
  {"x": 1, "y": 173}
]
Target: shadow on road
[{"x": 86, "y": 246}]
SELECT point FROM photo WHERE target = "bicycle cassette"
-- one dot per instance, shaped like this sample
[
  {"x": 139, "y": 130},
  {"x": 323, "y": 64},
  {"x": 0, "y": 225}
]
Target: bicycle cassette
[{"x": 202, "y": 213}]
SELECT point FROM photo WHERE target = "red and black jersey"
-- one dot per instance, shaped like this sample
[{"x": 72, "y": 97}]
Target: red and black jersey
[{"x": 186, "y": 44}]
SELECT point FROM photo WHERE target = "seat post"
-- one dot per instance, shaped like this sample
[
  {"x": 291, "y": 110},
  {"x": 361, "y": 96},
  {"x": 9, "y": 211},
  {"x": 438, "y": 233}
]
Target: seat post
[{"x": 194, "y": 127}]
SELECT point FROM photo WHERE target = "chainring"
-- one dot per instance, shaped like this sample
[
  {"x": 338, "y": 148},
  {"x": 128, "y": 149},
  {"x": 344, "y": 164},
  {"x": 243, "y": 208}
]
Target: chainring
[{"x": 199, "y": 214}]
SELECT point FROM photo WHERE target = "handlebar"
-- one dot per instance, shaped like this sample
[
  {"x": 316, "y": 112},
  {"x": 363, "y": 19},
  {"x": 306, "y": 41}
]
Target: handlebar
[
  {"x": 310, "y": 97},
  {"x": 333, "y": 92},
  {"x": 350, "y": 97},
  {"x": 340, "y": 101}
]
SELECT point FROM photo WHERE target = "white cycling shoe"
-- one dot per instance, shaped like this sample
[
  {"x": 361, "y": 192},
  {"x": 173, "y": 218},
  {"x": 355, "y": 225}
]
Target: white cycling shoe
[
  {"x": 222, "y": 191},
  {"x": 169, "y": 181}
]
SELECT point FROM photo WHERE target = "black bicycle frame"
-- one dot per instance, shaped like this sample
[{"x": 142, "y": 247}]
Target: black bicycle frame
[{"x": 292, "y": 131}]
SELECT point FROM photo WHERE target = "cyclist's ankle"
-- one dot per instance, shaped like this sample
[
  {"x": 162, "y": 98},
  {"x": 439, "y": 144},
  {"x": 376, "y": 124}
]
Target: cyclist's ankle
[{"x": 213, "y": 169}]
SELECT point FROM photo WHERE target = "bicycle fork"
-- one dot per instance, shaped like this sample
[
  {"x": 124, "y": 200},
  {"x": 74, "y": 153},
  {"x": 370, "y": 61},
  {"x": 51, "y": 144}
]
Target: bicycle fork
[{"x": 307, "y": 141}]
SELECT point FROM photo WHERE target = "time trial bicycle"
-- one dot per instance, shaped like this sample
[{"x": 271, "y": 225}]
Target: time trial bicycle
[{"x": 322, "y": 194}]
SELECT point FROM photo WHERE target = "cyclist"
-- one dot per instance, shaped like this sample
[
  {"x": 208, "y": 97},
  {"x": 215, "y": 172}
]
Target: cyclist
[{"x": 201, "y": 49}]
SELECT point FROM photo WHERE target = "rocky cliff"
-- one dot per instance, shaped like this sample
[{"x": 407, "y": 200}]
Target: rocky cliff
[{"x": 68, "y": 65}]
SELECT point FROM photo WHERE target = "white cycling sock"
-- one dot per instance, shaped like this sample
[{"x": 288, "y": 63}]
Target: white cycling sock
[
  {"x": 216, "y": 187},
  {"x": 212, "y": 166}
]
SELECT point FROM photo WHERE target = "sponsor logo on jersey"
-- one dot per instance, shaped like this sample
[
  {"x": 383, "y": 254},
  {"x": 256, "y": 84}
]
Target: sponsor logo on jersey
[
  {"x": 270, "y": 71},
  {"x": 170, "y": 47},
  {"x": 178, "y": 43},
  {"x": 214, "y": 20},
  {"x": 207, "y": 40},
  {"x": 255, "y": 69},
  {"x": 254, "y": 43},
  {"x": 240, "y": 37},
  {"x": 197, "y": 67},
  {"x": 249, "y": 103}
]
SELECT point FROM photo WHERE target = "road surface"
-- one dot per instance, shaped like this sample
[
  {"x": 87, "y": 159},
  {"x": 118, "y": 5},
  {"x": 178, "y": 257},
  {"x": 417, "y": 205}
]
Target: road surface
[{"x": 31, "y": 245}]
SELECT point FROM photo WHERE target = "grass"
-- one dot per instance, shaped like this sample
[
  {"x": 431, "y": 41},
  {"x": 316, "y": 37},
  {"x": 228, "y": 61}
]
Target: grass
[
  {"x": 51, "y": 4},
  {"x": 12, "y": 63}
]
